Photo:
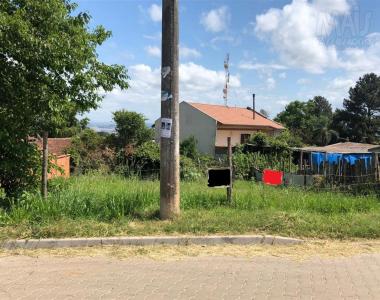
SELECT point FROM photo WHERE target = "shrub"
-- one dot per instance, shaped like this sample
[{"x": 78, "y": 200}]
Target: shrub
[
  {"x": 20, "y": 165},
  {"x": 189, "y": 170},
  {"x": 89, "y": 152},
  {"x": 188, "y": 147}
]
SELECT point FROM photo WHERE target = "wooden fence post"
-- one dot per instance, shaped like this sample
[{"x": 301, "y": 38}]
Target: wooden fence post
[{"x": 229, "y": 189}]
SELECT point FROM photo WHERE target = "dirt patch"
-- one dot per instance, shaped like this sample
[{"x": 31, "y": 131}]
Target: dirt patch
[{"x": 319, "y": 248}]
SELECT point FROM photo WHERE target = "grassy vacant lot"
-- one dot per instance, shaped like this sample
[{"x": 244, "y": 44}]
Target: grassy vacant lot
[{"x": 96, "y": 205}]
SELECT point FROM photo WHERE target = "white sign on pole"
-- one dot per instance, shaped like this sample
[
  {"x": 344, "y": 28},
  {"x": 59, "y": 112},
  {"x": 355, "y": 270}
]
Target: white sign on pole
[{"x": 166, "y": 127}]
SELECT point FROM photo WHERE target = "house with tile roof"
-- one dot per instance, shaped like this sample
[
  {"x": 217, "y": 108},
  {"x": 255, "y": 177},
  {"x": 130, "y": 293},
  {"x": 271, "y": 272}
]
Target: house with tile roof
[{"x": 212, "y": 124}]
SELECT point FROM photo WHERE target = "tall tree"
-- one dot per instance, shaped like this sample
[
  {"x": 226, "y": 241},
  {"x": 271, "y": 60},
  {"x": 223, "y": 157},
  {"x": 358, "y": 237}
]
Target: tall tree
[
  {"x": 48, "y": 67},
  {"x": 293, "y": 117},
  {"x": 359, "y": 120},
  {"x": 310, "y": 120},
  {"x": 131, "y": 128}
]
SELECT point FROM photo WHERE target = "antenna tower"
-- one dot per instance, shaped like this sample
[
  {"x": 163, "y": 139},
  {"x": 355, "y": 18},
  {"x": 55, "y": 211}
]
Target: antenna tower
[{"x": 227, "y": 77}]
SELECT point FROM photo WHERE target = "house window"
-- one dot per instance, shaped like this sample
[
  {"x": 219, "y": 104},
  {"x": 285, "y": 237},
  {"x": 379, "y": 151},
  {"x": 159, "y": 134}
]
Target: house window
[{"x": 244, "y": 138}]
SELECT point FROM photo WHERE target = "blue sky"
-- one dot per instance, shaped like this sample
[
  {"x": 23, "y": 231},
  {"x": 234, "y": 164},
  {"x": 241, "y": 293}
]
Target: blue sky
[{"x": 281, "y": 50}]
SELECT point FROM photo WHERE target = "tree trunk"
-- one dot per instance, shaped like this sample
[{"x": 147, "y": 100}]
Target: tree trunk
[{"x": 45, "y": 158}]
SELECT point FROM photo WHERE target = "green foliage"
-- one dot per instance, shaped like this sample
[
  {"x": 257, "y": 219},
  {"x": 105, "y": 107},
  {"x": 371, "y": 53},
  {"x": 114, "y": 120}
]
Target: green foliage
[
  {"x": 189, "y": 170},
  {"x": 131, "y": 129},
  {"x": 311, "y": 121},
  {"x": 49, "y": 72},
  {"x": 359, "y": 120},
  {"x": 259, "y": 139},
  {"x": 20, "y": 165},
  {"x": 88, "y": 152},
  {"x": 72, "y": 128},
  {"x": 268, "y": 152},
  {"x": 188, "y": 147},
  {"x": 246, "y": 163},
  {"x": 278, "y": 143},
  {"x": 145, "y": 160}
]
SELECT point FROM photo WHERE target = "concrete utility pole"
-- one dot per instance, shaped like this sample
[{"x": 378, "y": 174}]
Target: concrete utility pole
[{"x": 169, "y": 167}]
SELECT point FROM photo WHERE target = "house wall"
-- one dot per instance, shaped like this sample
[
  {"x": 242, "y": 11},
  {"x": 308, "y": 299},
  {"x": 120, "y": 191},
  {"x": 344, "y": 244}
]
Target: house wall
[
  {"x": 235, "y": 134},
  {"x": 62, "y": 161},
  {"x": 193, "y": 122}
]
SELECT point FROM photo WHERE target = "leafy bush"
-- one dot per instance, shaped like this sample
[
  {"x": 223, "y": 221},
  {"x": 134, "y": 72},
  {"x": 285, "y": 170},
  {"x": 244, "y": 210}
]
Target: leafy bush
[
  {"x": 188, "y": 147},
  {"x": 89, "y": 152},
  {"x": 189, "y": 170},
  {"x": 143, "y": 160},
  {"x": 20, "y": 165}
]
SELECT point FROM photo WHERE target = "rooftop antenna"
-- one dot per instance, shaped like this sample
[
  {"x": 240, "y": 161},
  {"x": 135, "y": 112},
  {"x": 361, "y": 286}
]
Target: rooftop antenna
[{"x": 227, "y": 77}]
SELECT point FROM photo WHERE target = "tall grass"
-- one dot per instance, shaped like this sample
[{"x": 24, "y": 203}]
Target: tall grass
[{"x": 110, "y": 199}]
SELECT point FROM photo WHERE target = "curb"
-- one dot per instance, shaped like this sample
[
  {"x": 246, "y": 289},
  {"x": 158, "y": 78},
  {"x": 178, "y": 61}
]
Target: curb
[{"x": 149, "y": 241}]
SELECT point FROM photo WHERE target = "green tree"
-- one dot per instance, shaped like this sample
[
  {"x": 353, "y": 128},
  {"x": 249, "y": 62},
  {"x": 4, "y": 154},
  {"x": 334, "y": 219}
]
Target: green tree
[
  {"x": 293, "y": 117},
  {"x": 319, "y": 116},
  {"x": 49, "y": 71},
  {"x": 131, "y": 129},
  {"x": 310, "y": 120},
  {"x": 359, "y": 120}
]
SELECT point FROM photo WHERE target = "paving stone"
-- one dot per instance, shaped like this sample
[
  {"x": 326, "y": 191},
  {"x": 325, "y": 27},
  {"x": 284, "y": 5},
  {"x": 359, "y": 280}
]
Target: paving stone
[{"x": 269, "y": 277}]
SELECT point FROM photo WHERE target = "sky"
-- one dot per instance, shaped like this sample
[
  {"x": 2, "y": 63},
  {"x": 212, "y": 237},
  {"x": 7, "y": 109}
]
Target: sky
[{"x": 281, "y": 50}]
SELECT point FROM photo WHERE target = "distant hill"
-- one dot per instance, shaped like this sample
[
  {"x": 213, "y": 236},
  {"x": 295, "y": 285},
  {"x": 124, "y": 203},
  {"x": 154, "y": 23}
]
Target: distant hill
[
  {"x": 102, "y": 126},
  {"x": 107, "y": 126}
]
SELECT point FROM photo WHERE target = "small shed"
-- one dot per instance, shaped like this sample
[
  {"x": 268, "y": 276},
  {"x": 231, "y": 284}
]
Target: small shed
[{"x": 347, "y": 160}]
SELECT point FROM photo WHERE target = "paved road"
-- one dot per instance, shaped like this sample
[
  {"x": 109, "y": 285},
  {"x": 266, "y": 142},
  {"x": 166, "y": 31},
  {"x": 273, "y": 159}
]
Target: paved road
[{"x": 48, "y": 277}]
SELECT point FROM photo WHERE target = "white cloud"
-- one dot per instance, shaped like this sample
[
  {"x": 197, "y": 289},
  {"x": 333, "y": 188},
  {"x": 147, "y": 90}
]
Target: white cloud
[
  {"x": 216, "y": 20},
  {"x": 186, "y": 52},
  {"x": 154, "y": 37},
  {"x": 303, "y": 81},
  {"x": 153, "y": 51},
  {"x": 259, "y": 66},
  {"x": 283, "y": 102},
  {"x": 271, "y": 83},
  {"x": 339, "y": 83},
  {"x": 155, "y": 12},
  {"x": 197, "y": 83},
  {"x": 363, "y": 60},
  {"x": 296, "y": 32},
  {"x": 282, "y": 75},
  {"x": 336, "y": 7}
]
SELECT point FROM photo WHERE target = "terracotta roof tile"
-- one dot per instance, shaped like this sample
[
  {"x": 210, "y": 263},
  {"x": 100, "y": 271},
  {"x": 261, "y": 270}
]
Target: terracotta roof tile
[{"x": 227, "y": 115}]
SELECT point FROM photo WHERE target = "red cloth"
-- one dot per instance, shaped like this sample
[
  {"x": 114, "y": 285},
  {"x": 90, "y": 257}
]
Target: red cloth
[{"x": 272, "y": 177}]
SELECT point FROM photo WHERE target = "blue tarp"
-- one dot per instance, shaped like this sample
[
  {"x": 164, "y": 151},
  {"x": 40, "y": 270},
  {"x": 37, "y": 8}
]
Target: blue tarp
[{"x": 318, "y": 158}]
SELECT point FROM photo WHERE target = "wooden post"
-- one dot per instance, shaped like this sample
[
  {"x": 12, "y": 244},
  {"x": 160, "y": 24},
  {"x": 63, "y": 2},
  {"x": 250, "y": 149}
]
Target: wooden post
[
  {"x": 229, "y": 189},
  {"x": 45, "y": 161},
  {"x": 301, "y": 161},
  {"x": 373, "y": 166},
  {"x": 169, "y": 167}
]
